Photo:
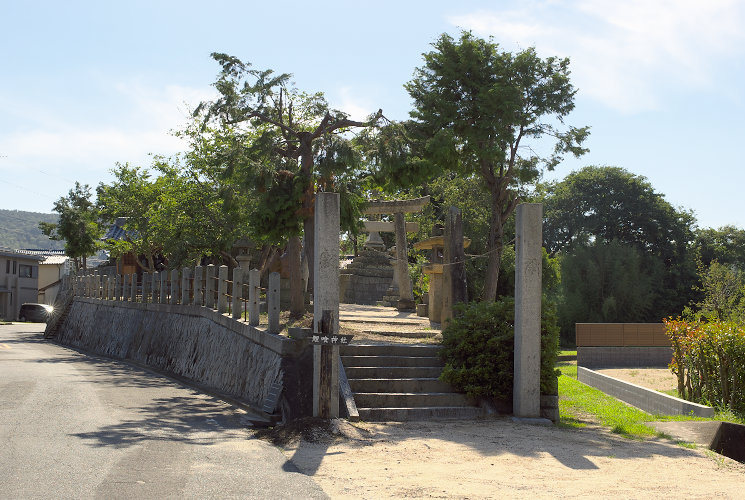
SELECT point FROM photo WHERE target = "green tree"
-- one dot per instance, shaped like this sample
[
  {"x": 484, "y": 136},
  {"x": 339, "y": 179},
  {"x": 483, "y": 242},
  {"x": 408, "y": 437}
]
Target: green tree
[
  {"x": 132, "y": 196},
  {"x": 726, "y": 245},
  {"x": 607, "y": 282},
  {"x": 77, "y": 226},
  {"x": 475, "y": 109},
  {"x": 297, "y": 136},
  {"x": 607, "y": 204}
]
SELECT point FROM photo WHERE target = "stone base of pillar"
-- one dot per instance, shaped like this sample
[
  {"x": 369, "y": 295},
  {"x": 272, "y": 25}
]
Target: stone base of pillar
[{"x": 406, "y": 305}]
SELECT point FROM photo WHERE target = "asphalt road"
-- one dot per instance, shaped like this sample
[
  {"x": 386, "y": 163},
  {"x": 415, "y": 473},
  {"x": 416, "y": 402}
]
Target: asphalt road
[{"x": 78, "y": 426}]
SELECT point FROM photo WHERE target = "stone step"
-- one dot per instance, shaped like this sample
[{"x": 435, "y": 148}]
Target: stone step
[
  {"x": 422, "y": 413},
  {"x": 409, "y": 399},
  {"x": 363, "y": 320},
  {"x": 390, "y": 350},
  {"x": 350, "y": 361},
  {"x": 399, "y": 385},
  {"x": 393, "y": 371}
]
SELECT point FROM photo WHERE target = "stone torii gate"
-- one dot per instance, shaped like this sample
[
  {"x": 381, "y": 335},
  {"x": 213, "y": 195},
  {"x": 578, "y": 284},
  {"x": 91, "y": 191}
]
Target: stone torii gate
[{"x": 398, "y": 208}]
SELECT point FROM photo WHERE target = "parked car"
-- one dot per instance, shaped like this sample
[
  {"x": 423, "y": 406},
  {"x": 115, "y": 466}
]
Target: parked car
[{"x": 39, "y": 313}]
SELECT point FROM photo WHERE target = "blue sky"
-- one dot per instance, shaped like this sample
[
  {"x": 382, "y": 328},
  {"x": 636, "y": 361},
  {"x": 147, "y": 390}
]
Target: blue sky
[{"x": 84, "y": 85}]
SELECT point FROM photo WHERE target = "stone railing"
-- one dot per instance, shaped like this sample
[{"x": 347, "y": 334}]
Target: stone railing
[{"x": 206, "y": 286}]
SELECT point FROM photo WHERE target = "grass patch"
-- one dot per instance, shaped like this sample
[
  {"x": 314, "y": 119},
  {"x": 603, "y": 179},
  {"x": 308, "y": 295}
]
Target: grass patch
[
  {"x": 568, "y": 353},
  {"x": 577, "y": 400}
]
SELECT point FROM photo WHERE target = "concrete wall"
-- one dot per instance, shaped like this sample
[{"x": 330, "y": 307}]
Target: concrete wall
[
  {"x": 645, "y": 399},
  {"x": 196, "y": 343},
  {"x": 624, "y": 357}
]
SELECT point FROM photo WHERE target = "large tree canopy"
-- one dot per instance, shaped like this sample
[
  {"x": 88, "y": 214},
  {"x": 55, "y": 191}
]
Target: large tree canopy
[
  {"x": 77, "y": 226},
  {"x": 600, "y": 206},
  {"x": 297, "y": 135},
  {"x": 475, "y": 109}
]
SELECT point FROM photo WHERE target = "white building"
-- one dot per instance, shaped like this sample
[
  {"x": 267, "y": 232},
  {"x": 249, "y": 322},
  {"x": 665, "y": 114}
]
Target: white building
[{"x": 19, "y": 281}]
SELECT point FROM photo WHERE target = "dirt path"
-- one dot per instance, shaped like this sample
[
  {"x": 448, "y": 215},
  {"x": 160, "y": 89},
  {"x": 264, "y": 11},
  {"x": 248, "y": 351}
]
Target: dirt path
[{"x": 496, "y": 458}]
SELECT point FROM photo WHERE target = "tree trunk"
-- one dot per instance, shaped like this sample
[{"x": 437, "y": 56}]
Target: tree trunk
[
  {"x": 496, "y": 232},
  {"x": 297, "y": 303}
]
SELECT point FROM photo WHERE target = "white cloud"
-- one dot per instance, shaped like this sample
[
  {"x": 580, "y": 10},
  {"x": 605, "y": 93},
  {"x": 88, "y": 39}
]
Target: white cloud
[
  {"x": 356, "y": 107},
  {"x": 625, "y": 54}
]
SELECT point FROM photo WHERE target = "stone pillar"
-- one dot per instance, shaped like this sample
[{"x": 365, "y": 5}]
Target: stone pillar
[
  {"x": 326, "y": 298},
  {"x": 198, "y": 290},
  {"x": 185, "y": 286},
  {"x": 526, "y": 400},
  {"x": 133, "y": 288},
  {"x": 210, "y": 287},
  {"x": 272, "y": 302},
  {"x": 125, "y": 287},
  {"x": 117, "y": 287},
  {"x": 454, "y": 269},
  {"x": 222, "y": 290},
  {"x": 110, "y": 287},
  {"x": 237, "y": 292},
  {"x": 405, "y": 292},
  {"x": 163, "y": 287},
  {"x": 174, "y": 286},
  {"x": 146, "y": 281},
  {"x": 254, "y": 282}
]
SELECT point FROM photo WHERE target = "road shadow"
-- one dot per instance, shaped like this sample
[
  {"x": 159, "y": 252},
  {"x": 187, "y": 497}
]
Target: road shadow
[
  {"x": 574, "y": 448},
  {"x": 188, "y": 419}
]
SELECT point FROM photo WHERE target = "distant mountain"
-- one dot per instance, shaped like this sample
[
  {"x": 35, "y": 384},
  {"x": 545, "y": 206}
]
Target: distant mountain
[{"x": 21, "y": 230}]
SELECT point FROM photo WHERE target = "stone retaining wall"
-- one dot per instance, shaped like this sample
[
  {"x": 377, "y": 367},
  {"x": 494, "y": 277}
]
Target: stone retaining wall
[
  {"x": 624, "y": 357},
  {"x": 645, "y": 399},
  {"x": 196, "y": 343}
]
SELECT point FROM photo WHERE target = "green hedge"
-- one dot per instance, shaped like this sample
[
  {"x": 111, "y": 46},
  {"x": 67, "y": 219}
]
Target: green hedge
[
  {"x": 709, "y": 361},
  {"x": 478, "y": 349}
]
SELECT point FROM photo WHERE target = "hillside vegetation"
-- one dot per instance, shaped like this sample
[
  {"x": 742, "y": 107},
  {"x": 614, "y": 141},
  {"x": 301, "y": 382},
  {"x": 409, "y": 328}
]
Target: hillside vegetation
[{"x": 21, "y": 230}]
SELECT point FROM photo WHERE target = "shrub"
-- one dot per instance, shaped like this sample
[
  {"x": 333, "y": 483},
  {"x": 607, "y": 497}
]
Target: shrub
[
  {"x": 709, "y": 361},
  {"x": 478, "y": 349}
]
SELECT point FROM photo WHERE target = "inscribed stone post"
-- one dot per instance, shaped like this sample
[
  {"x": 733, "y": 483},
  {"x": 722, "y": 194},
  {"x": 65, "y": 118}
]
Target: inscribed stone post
[
  {"x": 405, "y": 292},
  {"x": 222, "y": 290},
  {"x": 272, "y": 302},
  {"x": 254, "y": 279},
  {"x": 185, "y": 286},
  {"x": 198, "y": 286},
  {"x": 174, "y": 286},
  {"x": 237, "y": 292},
  {"x": 210, "y": 287},
  {"x": 528, "y": 264},
  {"x": 325, "y": 298}
]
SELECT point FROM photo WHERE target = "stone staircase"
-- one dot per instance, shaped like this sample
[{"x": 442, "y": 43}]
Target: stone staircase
[{"x": 398, "y": 382}]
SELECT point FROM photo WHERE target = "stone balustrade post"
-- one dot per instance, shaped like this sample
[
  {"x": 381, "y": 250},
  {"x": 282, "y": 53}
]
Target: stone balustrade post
[
  {"x": 185, "y": 286},
  {"x": 272, "y": 302},
  {"x": 125, "y": 287},
  {"x": 133, "y": 288},
  {"x": 237, "y": 292},
  {"x": 210, "y": 287},
  {"x": 155, "y": 288},
  {"x": 117, "y": 287},
  {"x": 222, "y": 290},
  {"x": 198, "y": 299},
  {"x": 174, "y": 286},
  {"x": 163, "y": 287},
  {"x": 254, "y": 283},
  {"x": 145, "y": 287}
]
